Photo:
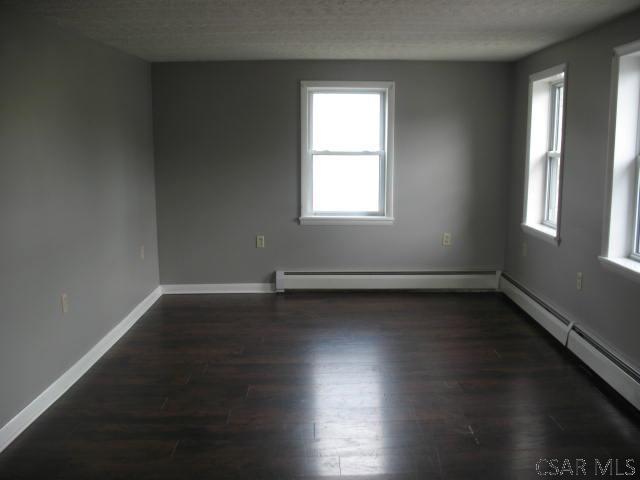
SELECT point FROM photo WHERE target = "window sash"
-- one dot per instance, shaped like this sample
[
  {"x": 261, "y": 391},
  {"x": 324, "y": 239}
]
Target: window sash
[
  {"x": 382, "y": 93},
  {"x": 556, "y": 114},
  {"x": 382, "y": 182}
]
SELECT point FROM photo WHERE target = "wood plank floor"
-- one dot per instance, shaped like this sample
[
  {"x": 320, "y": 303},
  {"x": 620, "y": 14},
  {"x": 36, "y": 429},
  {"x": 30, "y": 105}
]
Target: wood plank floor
[{"x": 315, "y": 385}]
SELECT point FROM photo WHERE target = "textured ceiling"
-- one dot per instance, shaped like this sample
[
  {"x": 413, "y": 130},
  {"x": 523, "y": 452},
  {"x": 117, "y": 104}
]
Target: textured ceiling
[{"x": 166, "y": 30}]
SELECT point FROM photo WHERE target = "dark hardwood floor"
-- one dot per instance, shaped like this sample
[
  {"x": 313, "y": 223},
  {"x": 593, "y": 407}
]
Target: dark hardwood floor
[{"x": 363, "y": 385}]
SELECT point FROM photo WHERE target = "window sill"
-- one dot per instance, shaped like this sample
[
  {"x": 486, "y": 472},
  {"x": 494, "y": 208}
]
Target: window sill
[
  {"x": 364, "y": 220},
  {"x": 625, "y": 266},
  {"x": 542, "y": 232}
]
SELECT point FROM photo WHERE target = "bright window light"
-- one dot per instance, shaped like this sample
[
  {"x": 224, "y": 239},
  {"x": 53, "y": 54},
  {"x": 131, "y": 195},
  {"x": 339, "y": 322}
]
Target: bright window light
[
  {"x": 346, "y": 183},
  {"x": 347, "y": 122},
  {"x": 347, "y": 154},
  {"x": 543, "y": 187}
]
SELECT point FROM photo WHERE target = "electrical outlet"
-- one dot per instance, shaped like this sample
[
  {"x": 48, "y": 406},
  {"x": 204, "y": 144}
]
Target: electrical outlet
[
  {"x": 524, "y": 249},
  {"x": 579, "y": 281},
  {"x": 260, "y": 241},
  {"x": 446, "y": 239},
  {"x": 64, "y": 303},
  {"x": 141, "y": 252}
]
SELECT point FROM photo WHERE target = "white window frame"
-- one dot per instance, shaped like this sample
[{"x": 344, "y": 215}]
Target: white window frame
[
  {"x": 542, "y": 147},
  {"x": 385, "y": 215},
  {"x": 621, "y": 232}
]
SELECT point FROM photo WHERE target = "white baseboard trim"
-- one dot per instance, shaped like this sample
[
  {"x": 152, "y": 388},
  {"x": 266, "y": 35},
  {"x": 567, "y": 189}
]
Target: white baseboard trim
[
  {"x": 551, "y": 322},
  {"x": 31, "y": 412},
  {"x": 218, "y": 288},
  {"x": 617, "y": 372},
  {"x": 381, "y": 280}
]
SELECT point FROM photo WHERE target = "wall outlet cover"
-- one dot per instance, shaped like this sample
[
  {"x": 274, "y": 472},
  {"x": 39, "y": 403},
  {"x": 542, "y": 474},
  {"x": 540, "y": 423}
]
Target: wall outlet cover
[{"x": 64, "y": 303}]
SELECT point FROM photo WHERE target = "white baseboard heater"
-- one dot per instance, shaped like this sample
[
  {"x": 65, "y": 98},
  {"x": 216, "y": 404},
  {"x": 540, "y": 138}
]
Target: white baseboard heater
[
  {"x": 616, "y": 372},
  {"x": 552, "y": 320},
  {"x": 609, "y": 366},
  {"x": 387, "y": 280}
]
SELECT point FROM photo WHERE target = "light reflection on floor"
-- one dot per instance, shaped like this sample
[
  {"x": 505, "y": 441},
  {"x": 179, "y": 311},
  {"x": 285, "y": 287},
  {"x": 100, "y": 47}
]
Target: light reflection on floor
[{"x": 348, "y": 406}]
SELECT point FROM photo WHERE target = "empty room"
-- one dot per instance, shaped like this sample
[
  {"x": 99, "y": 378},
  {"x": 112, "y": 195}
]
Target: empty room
[{"x": 304, "y": 239}]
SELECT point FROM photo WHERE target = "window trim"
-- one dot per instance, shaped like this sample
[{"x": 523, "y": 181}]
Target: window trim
[
  {"x": 613, "y": 257},
  {"x": 543, "y": 229},
  {"x": 385, "y": 215}
]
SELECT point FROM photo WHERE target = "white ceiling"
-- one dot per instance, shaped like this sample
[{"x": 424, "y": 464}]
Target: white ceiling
[{"x": 167, "y": 30}]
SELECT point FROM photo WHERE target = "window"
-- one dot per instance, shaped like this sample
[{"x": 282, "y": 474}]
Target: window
[
  {"x": 553, "y": 157},
  {"x": 544, "y": 154},
  {"x": 621, "y": 246},
  {"x": 347, "y": 152}
]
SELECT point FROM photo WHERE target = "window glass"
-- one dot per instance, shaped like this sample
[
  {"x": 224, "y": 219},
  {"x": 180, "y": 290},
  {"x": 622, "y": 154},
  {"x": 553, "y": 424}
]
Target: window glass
[
  {"x": 346, "y": 183},
  {"x": 346, "y": 122}
]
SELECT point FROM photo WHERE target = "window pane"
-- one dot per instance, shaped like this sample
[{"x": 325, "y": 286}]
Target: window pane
[
  {"x": 560, "y": 100},
  {"x": 346, "y": 122},
  {"x": 557, "y": 98},
  {"x": 553, "y": 181},
  {"x": 346, "y": 183}
]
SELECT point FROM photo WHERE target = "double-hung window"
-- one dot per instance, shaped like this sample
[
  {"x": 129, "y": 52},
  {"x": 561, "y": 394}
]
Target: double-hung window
[
  {"x": 621, "y": 249},
  {"x": 552, "y": 181},
  {"x": 347, "y": 152},
  {"x": 543, "y": 172}
]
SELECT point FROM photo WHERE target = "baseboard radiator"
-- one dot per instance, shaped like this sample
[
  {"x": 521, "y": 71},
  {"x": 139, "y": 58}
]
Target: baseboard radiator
[
  {"x": 485, "y": 280},
  {"x": 617, "y": 373},
  {"x": 550, "y": 318},
  {"x": 608, "y": 365}
]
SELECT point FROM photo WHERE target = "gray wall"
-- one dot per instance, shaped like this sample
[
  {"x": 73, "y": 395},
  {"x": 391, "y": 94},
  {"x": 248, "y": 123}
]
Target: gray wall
[
  {"x": 76, "y": 200},
  {"x": 608, "y": 304},
  {"x": 227, "y": 148}
]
